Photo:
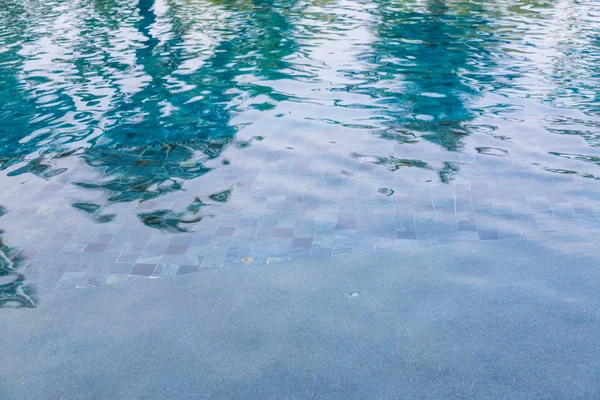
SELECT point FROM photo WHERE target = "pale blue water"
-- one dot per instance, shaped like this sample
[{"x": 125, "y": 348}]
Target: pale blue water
[{"x": 153, "y": 138}]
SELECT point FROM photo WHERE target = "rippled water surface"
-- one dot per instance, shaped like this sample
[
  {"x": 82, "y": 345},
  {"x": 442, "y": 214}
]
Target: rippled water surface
[{"x": 157, "y": 137}]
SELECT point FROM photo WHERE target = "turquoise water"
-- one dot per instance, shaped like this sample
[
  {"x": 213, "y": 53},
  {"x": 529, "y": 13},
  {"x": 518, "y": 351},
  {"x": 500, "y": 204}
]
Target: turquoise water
[{"x": 153, "y": 138}]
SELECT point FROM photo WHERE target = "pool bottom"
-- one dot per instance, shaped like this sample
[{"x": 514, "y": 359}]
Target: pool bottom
[
  {"x": 95, "y": 223},
  {"x": 515, "y": 318},
  {"x": 22, "y": 287}
]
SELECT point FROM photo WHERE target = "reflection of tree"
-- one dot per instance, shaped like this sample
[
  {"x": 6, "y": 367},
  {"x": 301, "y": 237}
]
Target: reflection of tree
[
  {"x": 423, "y": 51},
  {"x": 71, "y": 77},
  {"x": 571, "y": 68},
  {"x": 419, "y": 55},
  {"x": 391, "y": 163},
  {"x": 147, "y": 140},
  {"x": 17, "y": 119},
  {"x": 13, "y": 290},
  {"x": 164, "y": 137},
  {"x": 554, "y": 61}
]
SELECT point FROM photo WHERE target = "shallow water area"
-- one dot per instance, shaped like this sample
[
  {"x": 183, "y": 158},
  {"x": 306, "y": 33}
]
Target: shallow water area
[{"x": 158, "y": 137}]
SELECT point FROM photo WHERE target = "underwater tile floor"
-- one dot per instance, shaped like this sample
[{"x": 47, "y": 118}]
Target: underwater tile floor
[{"x": 244, "y": 216}]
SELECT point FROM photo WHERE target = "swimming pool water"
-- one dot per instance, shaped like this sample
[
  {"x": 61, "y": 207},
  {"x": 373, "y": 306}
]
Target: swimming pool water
[{"x": 158, "y": 137}]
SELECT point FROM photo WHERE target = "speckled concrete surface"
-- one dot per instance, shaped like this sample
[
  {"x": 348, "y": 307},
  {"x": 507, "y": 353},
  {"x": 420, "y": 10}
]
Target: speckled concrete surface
[{"x": 510, "y": 319}]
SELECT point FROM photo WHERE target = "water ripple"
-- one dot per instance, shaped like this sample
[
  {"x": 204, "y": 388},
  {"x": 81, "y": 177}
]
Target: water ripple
[{"x": 176, "y": 117}]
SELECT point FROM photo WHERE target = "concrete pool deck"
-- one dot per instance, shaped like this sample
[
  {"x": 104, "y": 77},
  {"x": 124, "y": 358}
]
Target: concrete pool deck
[{"x": 516, "y": 318}]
